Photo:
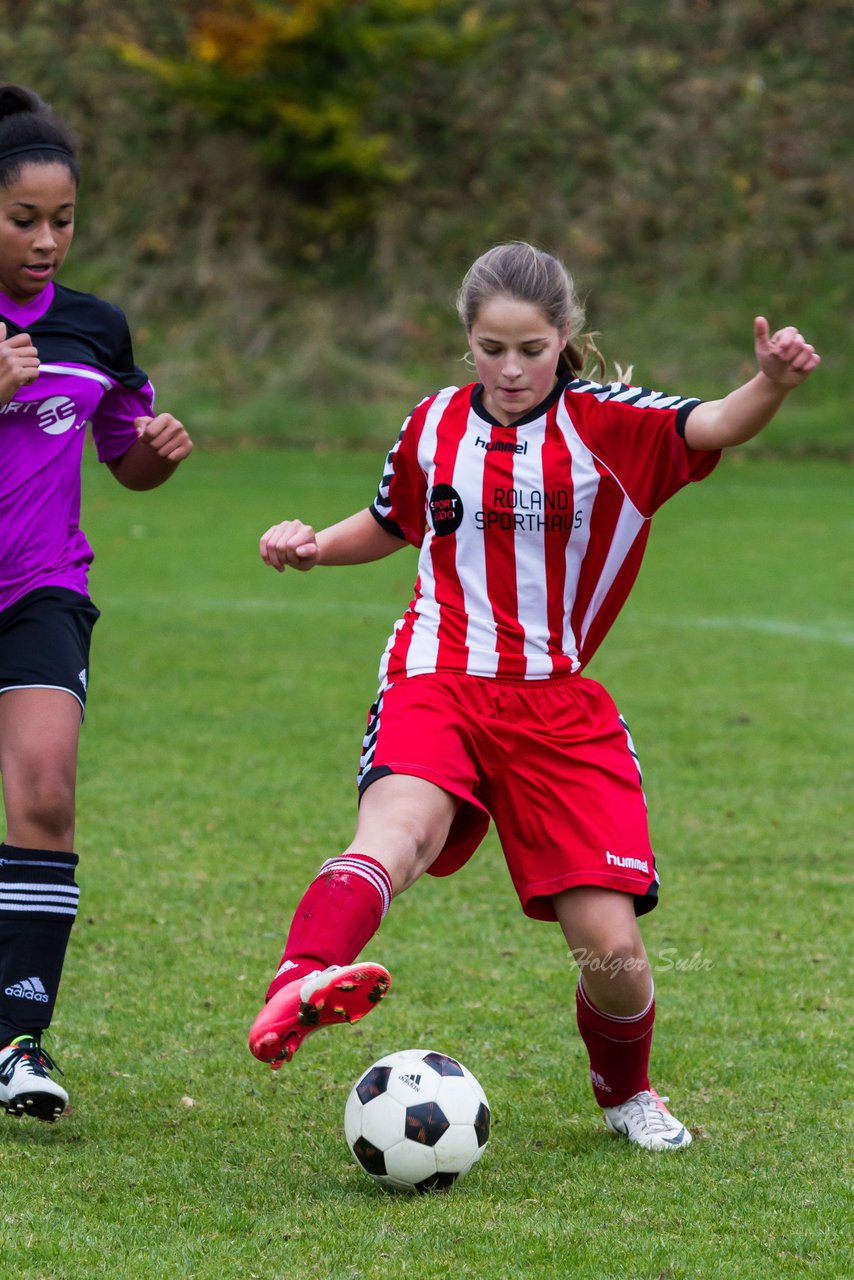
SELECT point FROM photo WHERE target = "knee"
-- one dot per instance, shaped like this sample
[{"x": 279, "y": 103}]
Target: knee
[
  {"x": 601, "y": 929},
  {"x": 406, "y": 846},
  {"x": 44, "y": 808},
  {"x": 614, "y": 954},
  {"x": 412, "y": 848},
  {"x": 403, "y": 823},
  {"x": 615, "y": 975}
]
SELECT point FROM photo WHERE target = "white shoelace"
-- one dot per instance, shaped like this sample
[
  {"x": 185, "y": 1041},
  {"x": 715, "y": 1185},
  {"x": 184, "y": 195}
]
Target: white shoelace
[{"x": 645, "y": 1111}]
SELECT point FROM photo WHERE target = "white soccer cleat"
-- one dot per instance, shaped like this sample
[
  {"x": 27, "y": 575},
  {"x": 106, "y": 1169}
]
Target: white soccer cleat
[
  {"x": 644, "y": 1119},
  {"x": 26, "y": 1088}
]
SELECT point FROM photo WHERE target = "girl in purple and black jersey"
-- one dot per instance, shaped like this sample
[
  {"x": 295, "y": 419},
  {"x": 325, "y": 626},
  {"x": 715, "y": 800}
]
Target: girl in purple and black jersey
[{"x": 65, "y": 359}]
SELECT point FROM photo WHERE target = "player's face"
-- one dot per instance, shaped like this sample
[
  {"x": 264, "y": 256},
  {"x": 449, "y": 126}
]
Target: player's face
[
  {"x": 515, "y": 351},
  {"x": 36, "y": 226}
]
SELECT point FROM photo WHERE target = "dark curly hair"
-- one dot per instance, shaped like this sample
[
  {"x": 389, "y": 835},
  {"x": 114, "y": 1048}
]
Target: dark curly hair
[{"x": 30, "y": 133}]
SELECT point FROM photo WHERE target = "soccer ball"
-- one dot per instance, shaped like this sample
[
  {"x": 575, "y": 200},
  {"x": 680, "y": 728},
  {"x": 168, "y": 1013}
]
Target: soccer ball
[{"x": 417, "y": 1121}]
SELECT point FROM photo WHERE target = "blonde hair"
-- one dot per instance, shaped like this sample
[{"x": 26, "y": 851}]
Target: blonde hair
[{"x": 521, "y": 271}]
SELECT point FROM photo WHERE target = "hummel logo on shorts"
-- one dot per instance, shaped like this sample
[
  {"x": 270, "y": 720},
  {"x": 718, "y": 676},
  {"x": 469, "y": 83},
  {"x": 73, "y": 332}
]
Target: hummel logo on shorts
[{"x": 29, "y": 989}]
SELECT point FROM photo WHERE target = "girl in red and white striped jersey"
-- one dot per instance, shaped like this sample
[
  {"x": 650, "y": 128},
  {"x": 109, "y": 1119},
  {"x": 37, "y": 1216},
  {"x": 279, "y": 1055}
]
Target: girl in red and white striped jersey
[{"x": 529, "y": 494}]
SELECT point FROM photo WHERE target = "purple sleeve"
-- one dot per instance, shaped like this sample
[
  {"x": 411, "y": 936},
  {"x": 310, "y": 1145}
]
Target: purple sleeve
[{"x": 112, "y": 422}]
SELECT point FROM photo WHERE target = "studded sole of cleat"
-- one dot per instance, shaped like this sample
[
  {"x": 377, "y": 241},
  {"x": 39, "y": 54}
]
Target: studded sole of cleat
[
  {"x": 318, "y": 1010},
  {"x": 35, "y": 1108}
]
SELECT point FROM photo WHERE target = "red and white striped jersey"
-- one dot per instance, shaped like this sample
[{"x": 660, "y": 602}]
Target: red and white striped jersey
[{"x": 530, "y": 535}]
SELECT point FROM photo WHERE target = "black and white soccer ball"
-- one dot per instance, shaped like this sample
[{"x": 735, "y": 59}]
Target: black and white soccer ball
[{"x": 417, "y": 1120}]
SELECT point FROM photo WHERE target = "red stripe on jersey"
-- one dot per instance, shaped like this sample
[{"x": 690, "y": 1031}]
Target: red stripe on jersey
[
  {"x": 453, "y": 651},
  {"x": 557, "y": 473},
  {"x": 394, "y": 667},
  {"x": 499, "y": 546},
  {"x": 401, "y": 492},
  {"x": 613, "y": 602},
  {"x": 607, "y": 506}
]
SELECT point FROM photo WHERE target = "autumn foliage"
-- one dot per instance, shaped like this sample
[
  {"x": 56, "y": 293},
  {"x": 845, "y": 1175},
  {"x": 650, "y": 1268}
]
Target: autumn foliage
[{"x": 375, "y": 145}]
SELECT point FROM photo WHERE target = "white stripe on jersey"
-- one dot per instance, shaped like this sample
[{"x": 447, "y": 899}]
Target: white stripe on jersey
[
  {"x": 481, "y": 629},
  {"x": 531, "y": 584},
  {"x": 74, "y": 371},
  {"x": 585, "y": 485},
  {"x": 424, "y": 649}
]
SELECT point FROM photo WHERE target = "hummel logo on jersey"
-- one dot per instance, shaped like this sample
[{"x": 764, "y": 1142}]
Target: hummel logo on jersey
[
  {"x": 635, "y": 864},
  {"x": 502, "y": 446},
  {"x": 29, "y": 989},
  {"x": 412, "y": 1081}
]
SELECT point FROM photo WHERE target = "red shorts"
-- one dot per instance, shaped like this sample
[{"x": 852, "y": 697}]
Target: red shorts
[{"x": 550, "y": 761}]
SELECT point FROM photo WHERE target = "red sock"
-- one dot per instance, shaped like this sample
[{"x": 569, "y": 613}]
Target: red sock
[
  {"x": 618, "y": 1049},
  {"x": 338, "y": 915}
]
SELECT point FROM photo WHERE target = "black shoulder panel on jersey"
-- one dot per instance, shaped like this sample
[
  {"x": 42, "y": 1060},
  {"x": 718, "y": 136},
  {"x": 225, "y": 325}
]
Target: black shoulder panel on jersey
[{"x": 79, "y": 328}]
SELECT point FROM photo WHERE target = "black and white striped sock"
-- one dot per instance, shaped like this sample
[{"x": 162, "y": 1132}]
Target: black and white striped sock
[{"x": 38, "y": 906}]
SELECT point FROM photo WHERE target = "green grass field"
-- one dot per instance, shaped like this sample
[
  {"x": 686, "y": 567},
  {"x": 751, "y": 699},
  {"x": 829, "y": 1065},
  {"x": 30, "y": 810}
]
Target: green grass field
[{"x": 217, "y": 770}]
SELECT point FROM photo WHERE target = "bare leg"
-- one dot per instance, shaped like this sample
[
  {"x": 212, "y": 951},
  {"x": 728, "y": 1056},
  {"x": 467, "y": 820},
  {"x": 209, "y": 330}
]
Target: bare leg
[
  {"x": 603, "y": 935},
  {"x": 614, "y": 1000},
  {"x": 403, "y": 824},
  {"x": 39, "y": 732}
]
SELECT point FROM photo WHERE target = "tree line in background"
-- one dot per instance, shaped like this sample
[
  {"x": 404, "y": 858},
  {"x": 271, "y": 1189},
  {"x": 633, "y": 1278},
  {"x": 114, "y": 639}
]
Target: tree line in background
[{"x": 248, "y": 160}]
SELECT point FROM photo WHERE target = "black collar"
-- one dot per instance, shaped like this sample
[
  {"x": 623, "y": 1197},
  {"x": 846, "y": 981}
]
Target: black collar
[{"x": 564, "y": 377}]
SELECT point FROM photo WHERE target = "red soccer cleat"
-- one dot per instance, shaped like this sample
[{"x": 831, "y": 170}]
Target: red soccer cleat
[{"x": 341, "y": 993}]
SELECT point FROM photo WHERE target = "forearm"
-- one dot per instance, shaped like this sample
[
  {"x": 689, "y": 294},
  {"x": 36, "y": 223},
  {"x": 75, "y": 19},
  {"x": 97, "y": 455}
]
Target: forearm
[
  {"x": 358, "y": 539},
  {"x": 142, "y": 467},
  {"x": 738, "y": 417}
]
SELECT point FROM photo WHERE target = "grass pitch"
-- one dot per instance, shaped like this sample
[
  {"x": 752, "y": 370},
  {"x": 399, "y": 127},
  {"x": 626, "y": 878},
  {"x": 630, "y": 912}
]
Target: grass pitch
[{"x": 217, "y": 772}]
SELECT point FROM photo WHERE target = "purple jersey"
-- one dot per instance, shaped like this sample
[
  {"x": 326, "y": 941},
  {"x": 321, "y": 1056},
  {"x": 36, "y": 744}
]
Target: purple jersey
[{"x": 86, "y": 374}]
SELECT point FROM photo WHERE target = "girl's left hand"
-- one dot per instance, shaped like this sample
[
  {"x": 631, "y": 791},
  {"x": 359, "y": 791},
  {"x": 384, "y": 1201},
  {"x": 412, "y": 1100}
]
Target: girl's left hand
[
  {"x": 784, "y": 357},
  {"x": 166, "y": 436}
]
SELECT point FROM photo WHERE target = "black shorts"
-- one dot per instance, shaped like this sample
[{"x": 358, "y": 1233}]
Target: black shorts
[{"x": 44, "y": 642}]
